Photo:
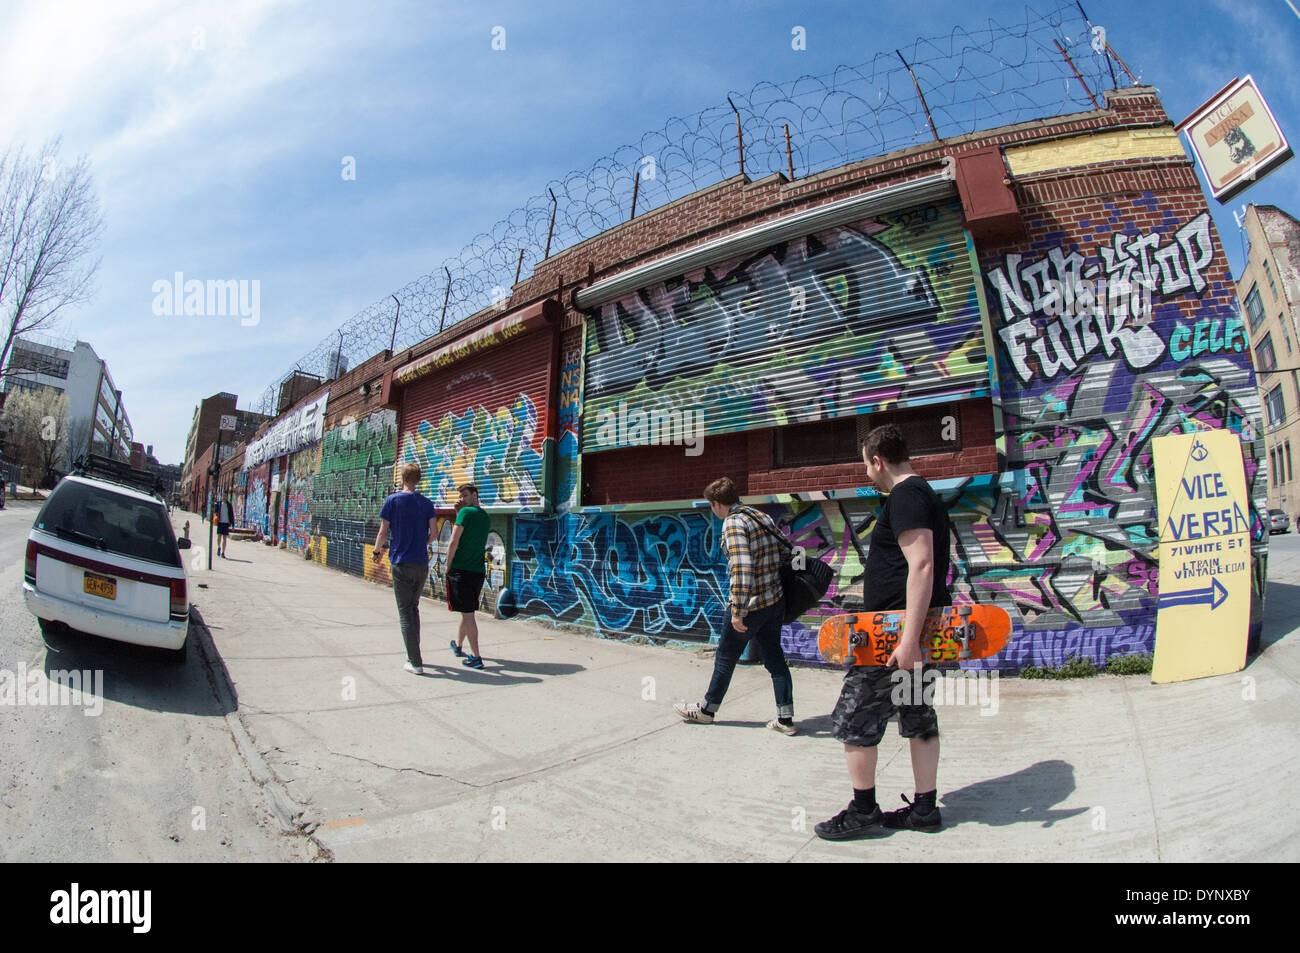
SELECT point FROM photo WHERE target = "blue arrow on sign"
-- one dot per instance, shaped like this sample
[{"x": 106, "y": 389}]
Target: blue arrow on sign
[{"x": 1214, "y": 594}]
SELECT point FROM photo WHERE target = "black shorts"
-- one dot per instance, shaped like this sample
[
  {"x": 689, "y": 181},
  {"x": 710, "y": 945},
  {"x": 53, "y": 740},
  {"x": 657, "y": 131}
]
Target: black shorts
[
  {"x": 872, "y": 694},
  {"x": 463, "y": 588},
  {"x": 223, "y": 529}
]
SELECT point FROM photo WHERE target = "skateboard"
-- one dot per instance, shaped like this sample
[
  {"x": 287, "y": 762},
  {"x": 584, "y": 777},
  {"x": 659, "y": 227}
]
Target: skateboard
[{"x": 951, "y": 634}]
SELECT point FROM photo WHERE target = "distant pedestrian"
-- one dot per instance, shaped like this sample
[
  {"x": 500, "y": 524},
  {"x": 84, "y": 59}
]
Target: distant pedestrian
[
  {"x": 755, "y": 606},
  {"x": 465, "y": 571},
  {"x": 409, "y": 518},
  {"x": 225, "y": 516}
]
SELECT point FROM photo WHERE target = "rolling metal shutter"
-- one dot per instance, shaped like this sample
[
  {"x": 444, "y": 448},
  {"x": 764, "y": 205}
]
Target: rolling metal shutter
[
  {"x": 846, "y": 320},
  {"x": 482, "y": 420}
]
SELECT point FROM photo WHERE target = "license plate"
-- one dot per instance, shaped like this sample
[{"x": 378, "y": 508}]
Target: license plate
[{"x": 103, "y": 586}]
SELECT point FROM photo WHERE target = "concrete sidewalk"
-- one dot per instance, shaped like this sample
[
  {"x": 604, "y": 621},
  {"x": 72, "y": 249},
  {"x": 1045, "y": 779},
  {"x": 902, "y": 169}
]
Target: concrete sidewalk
[{"x": 566, "y": 748}]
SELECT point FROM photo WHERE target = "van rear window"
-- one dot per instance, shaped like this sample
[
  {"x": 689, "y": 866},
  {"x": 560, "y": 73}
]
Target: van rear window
[{"x": 113, "y": 522}]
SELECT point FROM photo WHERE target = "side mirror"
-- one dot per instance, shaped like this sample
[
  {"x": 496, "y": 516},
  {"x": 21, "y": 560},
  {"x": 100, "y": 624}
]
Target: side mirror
[{"x": 182, "y": 543}]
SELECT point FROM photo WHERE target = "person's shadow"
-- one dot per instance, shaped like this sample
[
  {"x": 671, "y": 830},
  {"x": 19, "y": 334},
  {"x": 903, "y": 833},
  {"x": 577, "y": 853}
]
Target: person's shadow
[{"x": 1026, "y": 797}]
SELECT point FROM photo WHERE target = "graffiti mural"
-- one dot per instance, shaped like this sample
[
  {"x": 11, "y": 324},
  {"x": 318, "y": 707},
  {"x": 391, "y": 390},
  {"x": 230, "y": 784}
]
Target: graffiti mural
[
  {"x": 1100, "y": 355},
  {"x": 354, "y": 475},
  {"x": 1060, "y": 310},
  {"x": 663, "y": 575},
  {"x": 258, "y": 509},
  {"x": 841, "y": 322},
  {"x": 493, "y": 449},
  {"x": 567, "y": 462},
  {"x": 304, "y": 465}
]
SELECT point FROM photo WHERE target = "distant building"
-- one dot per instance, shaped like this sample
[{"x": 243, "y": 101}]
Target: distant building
[
  {"x": 203, "y": 436},
  {"x": 97, "y": 418},
  {"x": 1269, "y": 290}
]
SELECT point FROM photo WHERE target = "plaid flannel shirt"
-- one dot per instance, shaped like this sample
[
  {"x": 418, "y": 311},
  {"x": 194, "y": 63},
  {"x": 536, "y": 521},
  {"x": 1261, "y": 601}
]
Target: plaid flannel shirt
[{"x": 753, "y": 561}]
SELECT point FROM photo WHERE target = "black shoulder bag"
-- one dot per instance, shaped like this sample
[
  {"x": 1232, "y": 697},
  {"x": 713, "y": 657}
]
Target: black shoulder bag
[{"x": 805, "y": 585}]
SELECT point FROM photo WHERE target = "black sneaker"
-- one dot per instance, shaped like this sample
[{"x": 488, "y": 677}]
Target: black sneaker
[
  {"x": 909, "y": 818},
  {"x": 850, "y": 824}
]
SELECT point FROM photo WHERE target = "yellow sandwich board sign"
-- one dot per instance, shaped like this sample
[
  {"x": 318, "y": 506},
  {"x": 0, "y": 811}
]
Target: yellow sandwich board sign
[{"x": 1205, "y": 517}]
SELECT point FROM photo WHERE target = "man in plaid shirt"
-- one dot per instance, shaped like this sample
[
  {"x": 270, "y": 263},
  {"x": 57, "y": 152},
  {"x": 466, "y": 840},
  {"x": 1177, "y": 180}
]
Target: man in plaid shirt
[{"x": 755, "y": 606}]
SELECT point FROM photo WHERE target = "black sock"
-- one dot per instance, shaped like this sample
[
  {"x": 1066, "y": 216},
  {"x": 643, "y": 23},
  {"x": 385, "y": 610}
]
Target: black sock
[
  {"x": 864, "y": 801},
  {"x": 925, "y": 803}
]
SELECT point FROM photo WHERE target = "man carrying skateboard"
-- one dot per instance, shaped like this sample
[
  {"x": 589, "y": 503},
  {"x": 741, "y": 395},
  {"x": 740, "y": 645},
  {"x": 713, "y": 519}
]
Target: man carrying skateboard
[
  {"x": 906, "y": 568},
  {"x": 756, "y": 605}
]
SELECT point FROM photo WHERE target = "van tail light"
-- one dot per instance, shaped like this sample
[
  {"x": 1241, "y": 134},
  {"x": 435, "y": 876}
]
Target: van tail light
[
  {"x": 180, "y": 606},
  {"x": 29, "y": 563}
]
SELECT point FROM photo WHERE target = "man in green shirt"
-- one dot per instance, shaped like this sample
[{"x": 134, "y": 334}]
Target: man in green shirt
[{"x": 465, "y": 570}]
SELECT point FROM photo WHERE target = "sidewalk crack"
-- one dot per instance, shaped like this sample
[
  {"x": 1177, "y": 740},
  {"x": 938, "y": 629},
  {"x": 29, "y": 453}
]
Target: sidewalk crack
[{"x": 389, "y": 767}]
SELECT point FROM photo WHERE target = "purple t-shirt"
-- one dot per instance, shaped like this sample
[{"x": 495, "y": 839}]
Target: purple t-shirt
[{"x": 408, "y": 515}]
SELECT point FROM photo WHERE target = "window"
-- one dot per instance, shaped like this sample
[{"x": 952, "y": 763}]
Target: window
[
  {"x": 817, "y": 444},
  {"x": 1268, "y": 273},
  {"x": 119, "y": 523},
  {"x": 934, "y": 428},
  {"x": 1254, "y": 307},
  {"x": 1290, "y": 471},
  {"x": 1265, "y": 359},
  {"x": 1276, "y": 406},
  {"x": 34, "y": 362}
]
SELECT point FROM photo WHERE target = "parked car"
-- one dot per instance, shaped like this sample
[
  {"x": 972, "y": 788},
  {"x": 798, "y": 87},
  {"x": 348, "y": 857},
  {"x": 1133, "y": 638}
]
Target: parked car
[
  {"x": 102, "y": 558},
  {"x": 1278, "y": 522}
]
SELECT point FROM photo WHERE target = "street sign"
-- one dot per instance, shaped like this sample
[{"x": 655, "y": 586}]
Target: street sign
[
  {"x": 1203, "y": 609},
  {"x": 1235, "y": 138}
]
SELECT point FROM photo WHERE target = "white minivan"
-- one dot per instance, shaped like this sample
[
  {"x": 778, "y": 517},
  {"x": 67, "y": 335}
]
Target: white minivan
[{"x": 102, "y": 558}]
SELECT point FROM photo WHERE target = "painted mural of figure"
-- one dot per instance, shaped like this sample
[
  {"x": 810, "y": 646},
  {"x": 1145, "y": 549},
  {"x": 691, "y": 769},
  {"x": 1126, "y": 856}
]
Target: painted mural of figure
[
  {"x": 756, "y": 603},
  {"x": 410, "y": 519},
  {"x": 465, "y": 571},
  {"x": 906, "y": 568}
]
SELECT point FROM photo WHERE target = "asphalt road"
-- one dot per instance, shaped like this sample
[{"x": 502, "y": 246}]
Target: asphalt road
[{"x": 146, "y": 770}]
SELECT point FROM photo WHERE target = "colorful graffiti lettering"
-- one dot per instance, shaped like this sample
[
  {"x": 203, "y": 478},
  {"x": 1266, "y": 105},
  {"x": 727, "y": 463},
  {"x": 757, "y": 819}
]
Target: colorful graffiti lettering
[
  {"x": 1058, "y": 311},
  {"x": 836, "y": 323},
  {"x": 491, "y": 449}
]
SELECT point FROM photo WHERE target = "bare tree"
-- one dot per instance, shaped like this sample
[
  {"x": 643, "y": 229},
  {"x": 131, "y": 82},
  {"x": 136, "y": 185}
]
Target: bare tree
[
  {"x": 38, "y": 428},
  {"x": 49, "y": 224}
]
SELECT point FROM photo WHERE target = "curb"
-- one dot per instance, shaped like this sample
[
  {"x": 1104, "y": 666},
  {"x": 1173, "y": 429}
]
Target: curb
[{"x": 292, "y": 817}]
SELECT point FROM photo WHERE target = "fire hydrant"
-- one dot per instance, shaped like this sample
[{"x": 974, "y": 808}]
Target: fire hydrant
[{"x": 187, "y": 529}]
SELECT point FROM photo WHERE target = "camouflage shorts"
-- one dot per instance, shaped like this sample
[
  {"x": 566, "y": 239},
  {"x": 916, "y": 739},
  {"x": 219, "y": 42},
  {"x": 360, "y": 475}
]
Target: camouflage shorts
[{"x": 870, "y": 697}]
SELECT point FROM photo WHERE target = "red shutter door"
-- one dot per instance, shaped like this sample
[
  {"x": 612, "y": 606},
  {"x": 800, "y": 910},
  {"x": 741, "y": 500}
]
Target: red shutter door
[{"x": 482, "y": 420}]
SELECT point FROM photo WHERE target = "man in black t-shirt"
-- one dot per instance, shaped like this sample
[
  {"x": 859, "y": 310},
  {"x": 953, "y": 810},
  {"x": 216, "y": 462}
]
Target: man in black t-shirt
[{"x": 906, "y": 568}]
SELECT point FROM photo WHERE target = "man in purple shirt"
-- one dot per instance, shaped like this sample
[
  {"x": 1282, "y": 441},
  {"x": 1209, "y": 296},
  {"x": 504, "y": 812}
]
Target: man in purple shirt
[{"x": 410, "y": 519}]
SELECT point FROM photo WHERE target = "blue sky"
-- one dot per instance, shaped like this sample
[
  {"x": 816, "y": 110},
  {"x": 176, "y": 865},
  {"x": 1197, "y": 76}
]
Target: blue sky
[{"x": 217, "y": 131}]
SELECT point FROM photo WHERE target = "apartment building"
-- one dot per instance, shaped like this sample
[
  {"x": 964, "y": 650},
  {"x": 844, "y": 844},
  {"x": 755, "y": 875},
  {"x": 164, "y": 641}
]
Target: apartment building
[
  {"x": 97, "y": 418},
  {"x": 1269, "y": 291}
]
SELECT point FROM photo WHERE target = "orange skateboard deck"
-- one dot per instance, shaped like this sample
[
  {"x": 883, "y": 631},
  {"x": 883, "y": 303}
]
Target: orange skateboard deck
[{"x": 951, "y": 634}]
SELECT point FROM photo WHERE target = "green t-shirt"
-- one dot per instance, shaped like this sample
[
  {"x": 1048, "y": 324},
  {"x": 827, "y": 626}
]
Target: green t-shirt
[{"x": 473, "y": 539}]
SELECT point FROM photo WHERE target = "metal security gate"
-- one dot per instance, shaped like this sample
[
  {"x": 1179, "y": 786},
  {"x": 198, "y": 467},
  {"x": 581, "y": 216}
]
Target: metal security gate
[
  {"x": 482, "y": 420},
  {"x": 881, "y": 312}
]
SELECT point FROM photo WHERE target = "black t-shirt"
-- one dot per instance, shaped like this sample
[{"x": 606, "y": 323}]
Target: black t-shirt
[{"x": 912, "y": 504}]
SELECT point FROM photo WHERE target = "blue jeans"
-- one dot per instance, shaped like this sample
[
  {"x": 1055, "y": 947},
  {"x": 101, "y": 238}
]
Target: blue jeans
[{"x": 763, "y": 625}]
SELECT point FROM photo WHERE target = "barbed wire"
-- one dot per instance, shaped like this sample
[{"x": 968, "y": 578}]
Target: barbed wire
[{"x": 994, "y": 75}]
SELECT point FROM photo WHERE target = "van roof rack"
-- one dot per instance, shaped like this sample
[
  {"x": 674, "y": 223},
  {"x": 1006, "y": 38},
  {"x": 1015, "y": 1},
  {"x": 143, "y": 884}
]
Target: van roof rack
[{"x": 117, "y": 471}]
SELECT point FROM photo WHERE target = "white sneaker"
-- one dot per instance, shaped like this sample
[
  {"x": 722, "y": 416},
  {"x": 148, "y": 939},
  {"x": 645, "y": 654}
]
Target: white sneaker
[
  {"x": 414, "y": 669},
  {"x": 775, "y": 725},
  {"x": 693, "y": 712}
]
